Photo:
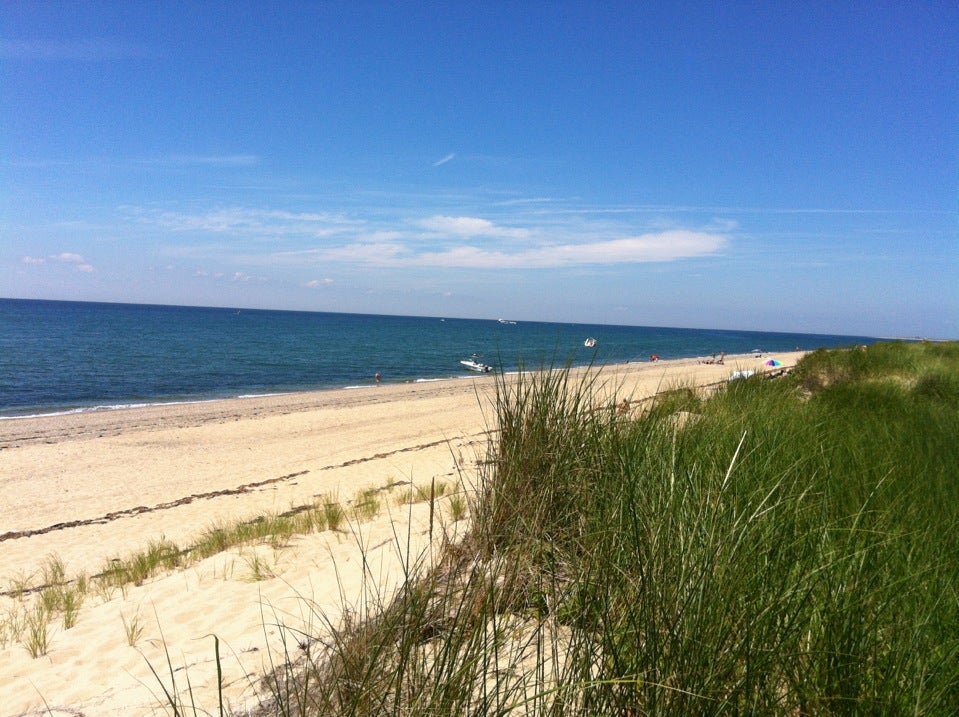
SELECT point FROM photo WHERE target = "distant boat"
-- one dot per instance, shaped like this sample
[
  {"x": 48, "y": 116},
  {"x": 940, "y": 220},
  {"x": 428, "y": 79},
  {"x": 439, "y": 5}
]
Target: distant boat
[
  {"x": 474, "y": 364},
  {"x": 590, "y": 342},
  {"x": 507, "y": 321}
]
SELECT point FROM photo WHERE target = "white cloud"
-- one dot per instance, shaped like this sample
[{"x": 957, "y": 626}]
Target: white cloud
[
  {"x": 540, "y": 240},
  {"x": 447, "y": 158},
  {"x": 660, "y": 247},
  {"x": 316, "y": 283},
  {"x": 469, "y": 227},
  {"x": 243, "y": 277},
  {"x": 66, "y": 257},
  {"x": 652, "y": 247}
]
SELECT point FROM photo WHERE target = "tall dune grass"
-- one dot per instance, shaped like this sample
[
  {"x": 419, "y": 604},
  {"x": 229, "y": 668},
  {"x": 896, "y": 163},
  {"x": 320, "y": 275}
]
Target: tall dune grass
[{"x": 782, "y": 547}]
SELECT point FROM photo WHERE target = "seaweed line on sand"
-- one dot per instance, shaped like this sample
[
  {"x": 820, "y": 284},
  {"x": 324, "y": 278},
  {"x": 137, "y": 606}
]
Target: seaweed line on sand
[{"x": 246, "y": 488}]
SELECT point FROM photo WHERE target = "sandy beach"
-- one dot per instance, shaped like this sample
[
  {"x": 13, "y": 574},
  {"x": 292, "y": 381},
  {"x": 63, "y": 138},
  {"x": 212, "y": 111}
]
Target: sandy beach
[{"x": 94, "y": 487}]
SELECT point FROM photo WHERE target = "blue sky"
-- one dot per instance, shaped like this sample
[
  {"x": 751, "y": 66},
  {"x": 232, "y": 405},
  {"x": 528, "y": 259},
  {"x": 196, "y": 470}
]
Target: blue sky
[{"x": 768, "y": 166}]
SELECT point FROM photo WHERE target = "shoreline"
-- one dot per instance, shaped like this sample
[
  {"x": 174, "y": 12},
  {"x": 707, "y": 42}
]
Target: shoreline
[
  {"x": 55, "y": 411},
  {"x": 108, "y": 408},
  {"x": 95, "y": 487},
  {"x": 69, "y": 410}
]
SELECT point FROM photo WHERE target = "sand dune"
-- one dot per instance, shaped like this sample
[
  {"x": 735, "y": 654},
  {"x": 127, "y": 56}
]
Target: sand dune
[{"x": 99, "y": 486}]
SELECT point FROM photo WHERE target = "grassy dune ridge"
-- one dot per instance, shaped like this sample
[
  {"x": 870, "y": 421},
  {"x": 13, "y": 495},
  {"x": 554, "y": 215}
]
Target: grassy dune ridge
[
  {"x": 791, "y": 548},
  {"x": 782, "y": 547}
]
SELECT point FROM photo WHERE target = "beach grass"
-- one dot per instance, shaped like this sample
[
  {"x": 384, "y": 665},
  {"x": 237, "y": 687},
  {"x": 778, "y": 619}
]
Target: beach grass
[
  {"x": 782, "y": 547},
  {"x": 132, "y": 627}
]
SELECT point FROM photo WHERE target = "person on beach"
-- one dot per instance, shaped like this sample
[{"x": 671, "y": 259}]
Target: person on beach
[{"x": 377, "y": 377}]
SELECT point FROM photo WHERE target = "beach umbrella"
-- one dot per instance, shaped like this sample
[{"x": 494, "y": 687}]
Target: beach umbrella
[{"x": 773, "y": 362}]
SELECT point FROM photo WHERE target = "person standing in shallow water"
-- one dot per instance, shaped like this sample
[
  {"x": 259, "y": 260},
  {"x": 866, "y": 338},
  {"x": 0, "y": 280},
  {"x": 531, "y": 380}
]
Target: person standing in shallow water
[{"x": 377, "y": 377}]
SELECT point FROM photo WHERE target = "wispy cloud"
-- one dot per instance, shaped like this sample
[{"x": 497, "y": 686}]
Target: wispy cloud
[
  {"x": 646, "y": 248},
  {"x": 76, "y": 260},
  {"x": 317, "y": 283},
  {"x": 526, "y": 201},
  {"x": 243, "y": 221},
  {"x": 285, "y": 238},
  {"x": 448, "y": 158}
]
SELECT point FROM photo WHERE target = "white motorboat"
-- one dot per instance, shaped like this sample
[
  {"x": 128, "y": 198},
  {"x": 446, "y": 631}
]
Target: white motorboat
[
  {"x": 590, "y": 342},
  {"x": 474, "y": 364}
]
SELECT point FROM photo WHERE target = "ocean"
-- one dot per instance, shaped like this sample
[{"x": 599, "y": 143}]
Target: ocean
[{"x": 65, "y": 356}]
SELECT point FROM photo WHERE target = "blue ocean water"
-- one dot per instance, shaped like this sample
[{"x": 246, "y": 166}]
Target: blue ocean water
[{"x": 63, "y": 356}]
